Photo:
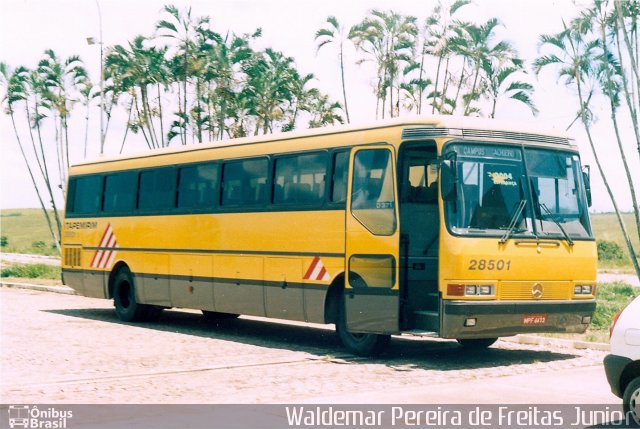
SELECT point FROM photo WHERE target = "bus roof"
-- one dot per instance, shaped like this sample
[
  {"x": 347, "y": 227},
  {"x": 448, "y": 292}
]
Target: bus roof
[{"x": 448, "y": 124}]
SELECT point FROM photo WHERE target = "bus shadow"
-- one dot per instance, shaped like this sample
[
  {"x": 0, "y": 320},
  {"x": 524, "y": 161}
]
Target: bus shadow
[{"x": 402, "y": 354}]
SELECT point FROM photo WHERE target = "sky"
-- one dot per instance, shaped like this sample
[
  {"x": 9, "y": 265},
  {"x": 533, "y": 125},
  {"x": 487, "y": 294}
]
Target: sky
[{"x": 28, "y": 27}]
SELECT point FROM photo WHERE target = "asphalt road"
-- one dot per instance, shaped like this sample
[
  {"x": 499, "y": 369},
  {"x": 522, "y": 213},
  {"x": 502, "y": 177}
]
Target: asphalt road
[{"x": 70, "y": 349}]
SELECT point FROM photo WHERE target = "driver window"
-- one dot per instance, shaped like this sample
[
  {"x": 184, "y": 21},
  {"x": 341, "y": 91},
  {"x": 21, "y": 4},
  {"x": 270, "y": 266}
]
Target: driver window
[{"x": 372, "y": 191}]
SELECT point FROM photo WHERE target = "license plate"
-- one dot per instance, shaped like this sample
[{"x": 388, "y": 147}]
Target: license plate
[{"x": 534, "y": 319}]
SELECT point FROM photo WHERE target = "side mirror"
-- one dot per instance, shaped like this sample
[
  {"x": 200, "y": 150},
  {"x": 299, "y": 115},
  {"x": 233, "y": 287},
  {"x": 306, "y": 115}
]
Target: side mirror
[
  {"x": 448, "y": 179},
  {"x": 586, "y": 178}
]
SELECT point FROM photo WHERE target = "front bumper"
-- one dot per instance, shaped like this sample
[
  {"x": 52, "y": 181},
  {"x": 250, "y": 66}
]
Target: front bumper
[
  {"x": 505, "y": 318},
  {"x": 614, "y": 366}
]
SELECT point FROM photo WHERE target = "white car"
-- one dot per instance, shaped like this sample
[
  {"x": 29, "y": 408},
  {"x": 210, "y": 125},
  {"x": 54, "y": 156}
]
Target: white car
[{"x": 622, "y": 366}]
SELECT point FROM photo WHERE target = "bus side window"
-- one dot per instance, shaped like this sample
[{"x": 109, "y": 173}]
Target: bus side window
[
  {"x": 120, "y": 192},
  {"x": 197, "y": 186},
  {"x": 339, "y": 177},
  {"x": 245, "y": 182},
  {"x": 300, "y": 179},
  {"x": 157, "y": 189},
  {"x": 85, "y": 195}
]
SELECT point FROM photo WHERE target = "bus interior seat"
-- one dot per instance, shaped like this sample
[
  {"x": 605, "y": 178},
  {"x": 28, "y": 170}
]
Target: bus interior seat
[
  {"x": 261, "y": 193},
  {"x": 297, "y": 192}
]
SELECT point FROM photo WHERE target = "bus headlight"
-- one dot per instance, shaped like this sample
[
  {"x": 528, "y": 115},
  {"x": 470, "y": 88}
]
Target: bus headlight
[{"x": 583, "y": 290}]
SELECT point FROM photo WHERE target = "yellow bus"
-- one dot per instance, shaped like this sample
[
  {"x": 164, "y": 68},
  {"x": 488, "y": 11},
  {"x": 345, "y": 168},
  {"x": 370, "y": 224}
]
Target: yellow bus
[{"x": 443, "y": 226}]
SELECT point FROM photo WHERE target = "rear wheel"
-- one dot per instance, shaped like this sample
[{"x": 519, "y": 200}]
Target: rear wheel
[
  {"x": 476, "y": 343},
  {"x": 361, "y": 344},
  {"x": 124, "y": 298},
  {"x": 631, "y": 399}
]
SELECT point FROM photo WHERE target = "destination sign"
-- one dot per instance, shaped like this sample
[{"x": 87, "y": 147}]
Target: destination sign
[{"x": 488, "y": 151}]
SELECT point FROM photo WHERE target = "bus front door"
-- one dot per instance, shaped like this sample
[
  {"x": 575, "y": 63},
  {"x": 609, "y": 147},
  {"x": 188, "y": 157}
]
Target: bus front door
[{"x": 372, "y": 235}]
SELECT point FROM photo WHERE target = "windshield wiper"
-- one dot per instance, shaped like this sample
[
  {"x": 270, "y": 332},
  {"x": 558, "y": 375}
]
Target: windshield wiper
[
  {"x": 513, "y": 222},
  {"x": 553, "y": 218}
]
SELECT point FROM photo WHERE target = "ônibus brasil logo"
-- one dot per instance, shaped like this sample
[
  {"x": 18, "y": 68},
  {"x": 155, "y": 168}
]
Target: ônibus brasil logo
[{"x": 31, "y": 417}]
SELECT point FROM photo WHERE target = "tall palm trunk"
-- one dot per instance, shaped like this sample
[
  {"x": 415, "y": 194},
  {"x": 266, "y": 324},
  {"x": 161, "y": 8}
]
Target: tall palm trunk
[
  {"x": 141, "y": 115},
  {"x": 459, "y": 88},
  {"x": 86, "y": 131},
  {"x": 473, "y": 90},
  {"x": 627, "y": 42},
  {"x": 625, "y": 234},
  {"x": 344, "y": 88},
  {"x": 634, "y": 199},
  {"x": 33, "y": 141},
  {"x": 149, "y": 116},
  {"x": 52, "y": 231},
  {"x": 631, "y": 105},
  {"x": 126, "y": 128},
  {"x": 614, "y": 119},
  {"x": 46, "y": 176},
  {"x": 162, "y": 137},
  {"x": 435, "y": 88}
]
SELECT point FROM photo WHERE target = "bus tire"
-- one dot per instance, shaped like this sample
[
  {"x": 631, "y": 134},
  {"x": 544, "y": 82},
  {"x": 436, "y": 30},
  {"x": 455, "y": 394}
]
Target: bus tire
[
  {"x": 124, "y": 299},
  {"x": 360, "y": 344},
  {"x": 476, "y": 343},
  {"x": 213, "y": 316},
  {"x": 631, "y": 399}
]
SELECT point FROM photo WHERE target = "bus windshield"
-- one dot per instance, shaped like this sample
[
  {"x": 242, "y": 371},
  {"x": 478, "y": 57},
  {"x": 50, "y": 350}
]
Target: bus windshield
[{"x": 526, "y": 192}]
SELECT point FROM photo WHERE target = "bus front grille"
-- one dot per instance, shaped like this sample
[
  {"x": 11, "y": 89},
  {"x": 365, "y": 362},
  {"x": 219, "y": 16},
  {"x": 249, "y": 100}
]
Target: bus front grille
[{"x": 534, "y": 290}]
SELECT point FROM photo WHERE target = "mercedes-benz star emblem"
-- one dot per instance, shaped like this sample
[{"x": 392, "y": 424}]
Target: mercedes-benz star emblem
[{"x": 537, "y": 291}]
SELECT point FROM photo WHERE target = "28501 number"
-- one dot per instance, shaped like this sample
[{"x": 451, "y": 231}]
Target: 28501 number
[{"x": 489, "y": 265}]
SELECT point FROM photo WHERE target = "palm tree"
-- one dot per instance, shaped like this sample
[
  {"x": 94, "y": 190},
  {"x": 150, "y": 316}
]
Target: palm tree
[
  {"x": 500, "y": 83},
  {"x": 88, "y": 93},
  {"x": 610, "y": 77},
  {"x": 336, "y": 33},
  {"x": 323, "y": 112},
  {"x": 268, "y": 86},
  {"x": 575, "y": 56},
  {"x": 60, "y": 80},
  {"x": 16, "y": 86},
  {"x": 623, "y": 10},
  {"x": 440, "y": 28},
  {"x": 388, "y": 39},
  {"x": 181, "y": 27},
  {"x": 141, "y": 67},
  {"x": 301, "y": 98},
  {"x": 225, "y": 63},
  {"x": 480, "y": 51}
]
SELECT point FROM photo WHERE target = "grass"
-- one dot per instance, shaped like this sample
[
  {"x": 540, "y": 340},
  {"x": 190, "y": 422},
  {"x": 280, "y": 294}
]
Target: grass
[
  {"x": 605, "y": 227},
  {"x": 31, "y": 271},
  {"x": 27, "y": 232}
]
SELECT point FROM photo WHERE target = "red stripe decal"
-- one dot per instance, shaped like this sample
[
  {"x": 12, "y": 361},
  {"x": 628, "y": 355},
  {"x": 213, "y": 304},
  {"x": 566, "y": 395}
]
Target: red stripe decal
[
  {"x": 100, "y": 244},
  {"x": 312, "y": 267},
  {"x": 322, "y": 273},
  {"x": 104, "y": 254}
]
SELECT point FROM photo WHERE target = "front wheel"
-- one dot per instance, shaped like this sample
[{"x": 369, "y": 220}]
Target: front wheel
[
  {"x": 476, "y": 343},
  {"x": 124, "y": 298},
  {"x": 360, "y": 344},
  {"x": 631, "y": 399}
]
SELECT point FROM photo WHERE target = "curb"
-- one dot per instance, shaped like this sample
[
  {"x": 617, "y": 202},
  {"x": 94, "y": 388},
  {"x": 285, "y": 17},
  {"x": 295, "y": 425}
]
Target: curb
[
  {"x": 518, "y": 339},
  {"x": 65, "y": 290},
  {"x": 557, "y": 342}
]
